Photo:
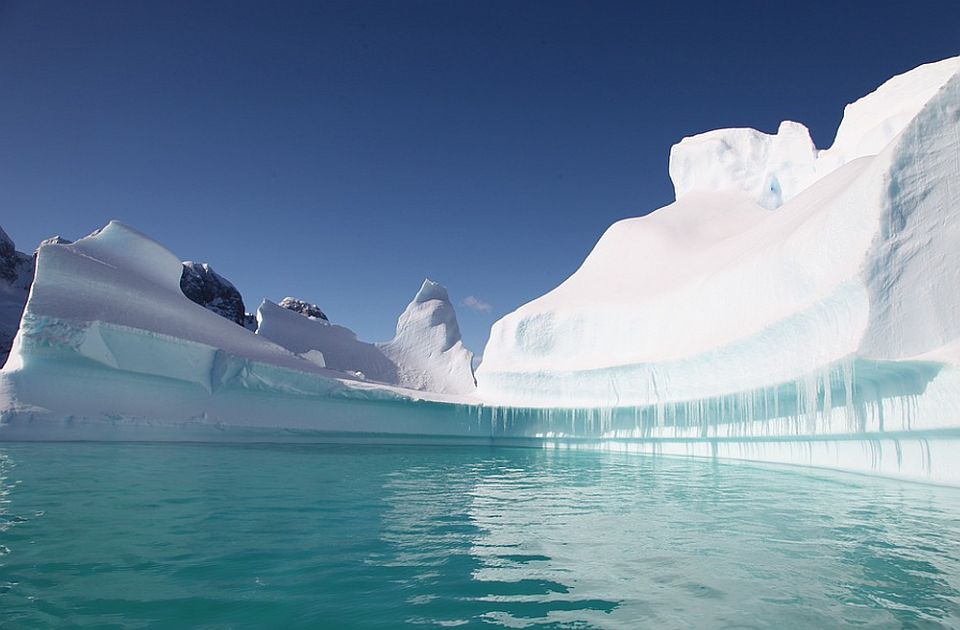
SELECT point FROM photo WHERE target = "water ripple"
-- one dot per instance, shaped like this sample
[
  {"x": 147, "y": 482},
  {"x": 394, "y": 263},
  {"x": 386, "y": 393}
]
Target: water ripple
[{"x": 376, "y": 536}]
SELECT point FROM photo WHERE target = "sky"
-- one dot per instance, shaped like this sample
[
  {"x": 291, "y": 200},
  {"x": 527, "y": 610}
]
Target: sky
[{"x": 340, "y": 152}]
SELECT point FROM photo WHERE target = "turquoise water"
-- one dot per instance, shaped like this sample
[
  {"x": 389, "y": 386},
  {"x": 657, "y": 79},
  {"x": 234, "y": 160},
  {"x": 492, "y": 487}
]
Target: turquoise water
[{"x": 219, "y": 536}]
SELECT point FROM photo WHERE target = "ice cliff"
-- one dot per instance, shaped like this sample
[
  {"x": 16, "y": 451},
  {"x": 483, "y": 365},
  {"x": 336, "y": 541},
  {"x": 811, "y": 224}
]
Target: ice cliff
[{"x": 781, "y": 276}]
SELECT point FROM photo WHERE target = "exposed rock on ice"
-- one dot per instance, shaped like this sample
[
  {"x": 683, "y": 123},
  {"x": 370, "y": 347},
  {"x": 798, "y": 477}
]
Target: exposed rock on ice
[
  {"x": 206, "y": 287},
  {"x": 16, "y": 268},
  {"x": 16, "y": 275},
  {"x": 311, "y": 311}
]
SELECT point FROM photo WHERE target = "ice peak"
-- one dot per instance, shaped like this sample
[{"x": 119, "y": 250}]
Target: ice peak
[
  {"x": 770, "y": 168},
  {"x": 773, "y": 168},
  {"x": 431, "y": 290},
  {"x": 870, "y": 123}
]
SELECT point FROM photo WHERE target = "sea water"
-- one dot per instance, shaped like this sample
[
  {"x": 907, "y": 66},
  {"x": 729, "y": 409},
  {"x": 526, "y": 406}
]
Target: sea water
[{"x": 314, "y": 535}]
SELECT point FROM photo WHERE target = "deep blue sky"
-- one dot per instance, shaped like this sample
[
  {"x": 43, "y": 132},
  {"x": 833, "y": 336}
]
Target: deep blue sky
[{"x": 341, "y": 151}]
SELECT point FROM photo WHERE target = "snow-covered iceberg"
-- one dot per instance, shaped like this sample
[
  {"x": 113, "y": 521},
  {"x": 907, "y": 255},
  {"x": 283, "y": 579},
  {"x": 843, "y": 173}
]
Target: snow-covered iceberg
[
  {"x": 427, "y": 348},
  {"x": 792, "y": 305},
  {"x": 785, "y": 291},
  {"x": 427, "y": 353},
  {"x": 110, "y": 347}
]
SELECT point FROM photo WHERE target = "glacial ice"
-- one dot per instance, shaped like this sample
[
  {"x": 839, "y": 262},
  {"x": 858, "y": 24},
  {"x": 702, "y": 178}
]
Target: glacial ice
[
  {"x": 427, "y": 348},
  {"x": 792, "y": 305},
  {"x": 426, "y": 354}
]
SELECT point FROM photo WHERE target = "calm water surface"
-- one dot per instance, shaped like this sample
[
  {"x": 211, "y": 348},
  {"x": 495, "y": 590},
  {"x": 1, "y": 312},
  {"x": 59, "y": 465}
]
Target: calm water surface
[{"x": 127, "y": 535}]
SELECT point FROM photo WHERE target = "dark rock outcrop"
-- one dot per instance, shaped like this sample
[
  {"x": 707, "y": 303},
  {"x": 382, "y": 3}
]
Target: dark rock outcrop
[
  {"x": 16, "y": 268},
  {"x": 304, "y": 308},
  {"x": 16, "y": 276},
  {"x": 212, "y": 291}
]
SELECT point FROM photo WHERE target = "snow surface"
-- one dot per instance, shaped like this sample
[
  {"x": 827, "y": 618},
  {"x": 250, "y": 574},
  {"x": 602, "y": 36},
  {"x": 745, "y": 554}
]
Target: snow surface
[
  {"x": 338, "y": 345},
  {"x": 772, "y": 169},
  {"x": 426, "y": 354},
  {"x": 717, "y": 298},
  {"x": 427, "y": 348}
]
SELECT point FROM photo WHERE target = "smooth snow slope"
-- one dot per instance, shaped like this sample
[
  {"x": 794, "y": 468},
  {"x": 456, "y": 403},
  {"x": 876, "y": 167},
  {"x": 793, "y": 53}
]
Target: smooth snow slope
[
  {"x": 716, "y": 295},
  {"x": 338, "y": 345}
]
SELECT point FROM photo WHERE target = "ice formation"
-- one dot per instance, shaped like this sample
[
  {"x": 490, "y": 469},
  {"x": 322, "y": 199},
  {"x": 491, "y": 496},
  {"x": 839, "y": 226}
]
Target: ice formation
[
  {"x": 337, "y": 345},
  {"x": 426, "y": 354},
  {"x": 427, "y": 348},
  {"x": 717, "y": 307},
  {"x": 792, "y": 305}
]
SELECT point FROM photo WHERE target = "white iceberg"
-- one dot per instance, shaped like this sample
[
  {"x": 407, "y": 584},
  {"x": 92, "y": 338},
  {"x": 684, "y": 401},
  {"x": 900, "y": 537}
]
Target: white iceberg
[
  {"x": 426, "y": 354},
  {"x": 792, "y": 305},
  {"x": 718, "y": 295}
]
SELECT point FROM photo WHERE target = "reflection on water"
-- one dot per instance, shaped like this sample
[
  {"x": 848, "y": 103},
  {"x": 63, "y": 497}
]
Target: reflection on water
[{"x": 377, "y": 536}]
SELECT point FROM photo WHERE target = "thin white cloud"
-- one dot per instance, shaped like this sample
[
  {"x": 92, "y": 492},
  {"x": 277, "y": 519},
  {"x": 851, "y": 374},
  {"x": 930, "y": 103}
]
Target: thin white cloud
[{"x": 476, "y": 304}]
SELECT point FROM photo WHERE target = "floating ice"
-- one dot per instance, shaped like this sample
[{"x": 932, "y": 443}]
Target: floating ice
[{"x": 791, "y": 306}]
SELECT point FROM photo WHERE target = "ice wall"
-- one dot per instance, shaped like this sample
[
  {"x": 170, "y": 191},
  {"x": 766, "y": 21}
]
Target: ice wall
[
  {"x": 714, "y": 294},
  {"x": 772, "y": 169},
  {"x": 715, "y": 306}
]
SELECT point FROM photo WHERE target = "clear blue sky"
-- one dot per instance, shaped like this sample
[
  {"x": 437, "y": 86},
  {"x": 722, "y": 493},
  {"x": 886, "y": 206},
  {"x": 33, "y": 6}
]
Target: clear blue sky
[{"x": 341, "y": 151}]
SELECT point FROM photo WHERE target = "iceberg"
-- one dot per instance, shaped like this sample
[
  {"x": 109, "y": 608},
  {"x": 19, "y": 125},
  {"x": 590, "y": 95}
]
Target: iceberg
[
  {"x": 427, "y": 349},
  {"x": 110, "y": 347},
  {"x": 793, "y": 305},
  {"x": 770, "y": 272},
  {"x": 426, "y": 354}
]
